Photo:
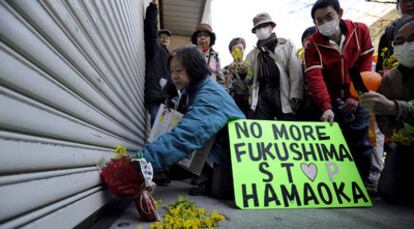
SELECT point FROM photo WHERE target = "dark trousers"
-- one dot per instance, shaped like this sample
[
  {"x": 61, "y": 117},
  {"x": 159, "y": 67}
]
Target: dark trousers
[
  {"x": 269, "y": 106},
  {"x": 356, "y": 136},
  {"x": 396, "y": 183},
  {"x": 153, "y": 110}
]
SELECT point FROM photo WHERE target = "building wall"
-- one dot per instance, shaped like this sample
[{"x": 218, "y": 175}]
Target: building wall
[
  {"x": 179, "y": 41},
  {"x": 71, "y": 90}
]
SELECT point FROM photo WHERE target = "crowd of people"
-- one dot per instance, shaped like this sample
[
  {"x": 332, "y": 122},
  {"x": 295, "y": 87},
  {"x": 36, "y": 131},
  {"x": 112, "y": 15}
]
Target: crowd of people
[{"x": 277, "y": 82}]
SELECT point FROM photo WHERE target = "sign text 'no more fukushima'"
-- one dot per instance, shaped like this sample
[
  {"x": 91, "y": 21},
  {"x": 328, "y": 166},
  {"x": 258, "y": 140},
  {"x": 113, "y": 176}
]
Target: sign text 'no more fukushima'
[{"x": 279, "y": 164}]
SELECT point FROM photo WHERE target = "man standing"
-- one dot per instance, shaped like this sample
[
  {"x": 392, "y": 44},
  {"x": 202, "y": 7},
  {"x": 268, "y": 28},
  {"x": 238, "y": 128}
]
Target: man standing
[
  {"x": 277, "y": 82},
  {"x": 158, "y": 84},
  {"x": 333, "y": 50}
]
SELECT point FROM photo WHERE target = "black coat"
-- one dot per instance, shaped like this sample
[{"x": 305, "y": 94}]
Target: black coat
[{"x": 156, "y": 57}]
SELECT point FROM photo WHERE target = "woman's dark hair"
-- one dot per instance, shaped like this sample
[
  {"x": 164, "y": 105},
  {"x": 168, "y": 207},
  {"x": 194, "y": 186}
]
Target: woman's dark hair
[
  {"x": 193, "y": 61},
  {"x": 235, "y": 41},
  {"x": 309, "y": 31},
  {"x": 320, "y": 4}
]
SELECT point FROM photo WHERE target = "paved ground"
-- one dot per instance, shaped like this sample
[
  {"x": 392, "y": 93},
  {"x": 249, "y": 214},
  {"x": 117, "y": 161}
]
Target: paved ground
[{"x": 380, "y": 215}]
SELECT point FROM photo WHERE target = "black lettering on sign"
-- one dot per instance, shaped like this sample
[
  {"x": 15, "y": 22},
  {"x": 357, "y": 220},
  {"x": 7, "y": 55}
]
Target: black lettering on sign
[
  {"x": 309, "y": 194},
  {"x": 325, "y": 193},
  {"x": 295, "y": 132},
  {"x": 357, "y": 193},
  {"x": 329, "y": 154},
  {"x": 295, "y": 149},
  {"x": 289, "y": 172},
  {"x": 280, "y": 132},
  {"x": 241, "y": 128},
  {"x": 308, "y": 152},
  {"x": 256, "y": 129},
  {"x": 270, "y": 195},
  {"x": 320, "y": 132},
  {"x": 247, "y": 197},
  {"x": 292, "y": 196},
  {"x": 263, "y": 169},
  {"x": 281, "y": 151},
  {"x": 239, "y": 151},
  {"x": 254, "y": 157},
  {"x": 266, "y": 150},
  {"x": 339, "y": 191},
  {"x": 308, "y": 133},
  {"x": 344, "y": 153}
]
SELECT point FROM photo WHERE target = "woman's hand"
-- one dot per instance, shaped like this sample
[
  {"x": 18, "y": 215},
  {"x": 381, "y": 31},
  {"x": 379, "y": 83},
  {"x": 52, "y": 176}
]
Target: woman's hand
[
  {"x": 377, "y": 103},
  {"x": 328, "y": 116},
  {"x": 242, "y": 70}
]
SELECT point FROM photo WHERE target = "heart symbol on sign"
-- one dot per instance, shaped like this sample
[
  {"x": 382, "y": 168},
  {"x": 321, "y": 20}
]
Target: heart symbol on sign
[{"x": 309, "y": 170}]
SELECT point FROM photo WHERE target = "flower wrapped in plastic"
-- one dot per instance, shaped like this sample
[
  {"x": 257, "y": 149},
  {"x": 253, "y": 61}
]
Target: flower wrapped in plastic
[{"x": 127, "y": 176}]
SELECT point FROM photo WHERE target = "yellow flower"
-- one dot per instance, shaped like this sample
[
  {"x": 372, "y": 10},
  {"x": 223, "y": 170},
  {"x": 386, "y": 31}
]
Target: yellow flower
[
  {"x": 201, "y": 211},
  {"x": 237, "y": 55},
  {"x": 185, "y": 214},
  {"x": 389, "y": 62},
  {"x": 402, "y": 137},
  {"x": 300, "y": 53},
  {"x": 217, "y": 216},
  {"x": 120, "y": 151}
]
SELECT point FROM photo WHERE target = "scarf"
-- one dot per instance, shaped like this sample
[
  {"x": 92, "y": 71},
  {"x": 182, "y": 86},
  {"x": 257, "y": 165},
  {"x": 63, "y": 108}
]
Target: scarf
[{"x": 263, "y": 59}]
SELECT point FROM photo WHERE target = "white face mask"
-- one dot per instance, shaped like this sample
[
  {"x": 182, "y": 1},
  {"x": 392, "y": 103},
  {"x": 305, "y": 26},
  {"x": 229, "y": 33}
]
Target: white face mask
[
  {"x": 262, "y": 33},
  {"x": 404, "y": 53},
  {"x": 329, "y": 28}
]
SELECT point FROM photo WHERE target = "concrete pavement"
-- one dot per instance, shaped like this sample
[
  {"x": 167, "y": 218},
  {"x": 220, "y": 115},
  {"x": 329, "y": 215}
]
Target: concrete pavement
[{"x": 381, "y": 215}]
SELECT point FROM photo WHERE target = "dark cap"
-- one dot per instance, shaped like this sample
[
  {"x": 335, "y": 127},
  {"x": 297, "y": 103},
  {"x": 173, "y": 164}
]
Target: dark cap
[
  {"x": 164, "y": 31},
  {"x": 203, "y": 28},
  {"x": 262, "y": 19}
]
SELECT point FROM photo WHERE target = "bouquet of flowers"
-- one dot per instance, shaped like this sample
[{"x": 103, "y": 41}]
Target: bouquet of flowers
[{"x": 127, "y": 176}]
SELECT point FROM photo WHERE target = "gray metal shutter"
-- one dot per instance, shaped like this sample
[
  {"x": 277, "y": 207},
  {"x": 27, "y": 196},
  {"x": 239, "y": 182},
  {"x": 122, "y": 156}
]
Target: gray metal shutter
[{"x": 71, "y": 90}]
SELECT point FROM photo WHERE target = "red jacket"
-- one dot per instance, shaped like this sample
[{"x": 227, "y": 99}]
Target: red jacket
[{"x": 327, "y": 70}]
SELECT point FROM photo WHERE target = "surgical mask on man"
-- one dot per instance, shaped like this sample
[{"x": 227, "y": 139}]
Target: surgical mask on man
[
  {"x": 329, "y": 28},
  {"x": 404, "y": 54},
  {"x": 262, "y": 33}
]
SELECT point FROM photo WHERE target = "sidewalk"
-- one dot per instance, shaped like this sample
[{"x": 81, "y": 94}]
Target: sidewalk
[{"x": 380, "y": 215}]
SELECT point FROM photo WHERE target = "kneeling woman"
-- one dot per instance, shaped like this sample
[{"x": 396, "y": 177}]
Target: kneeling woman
[{"x": 207, "y": 108}]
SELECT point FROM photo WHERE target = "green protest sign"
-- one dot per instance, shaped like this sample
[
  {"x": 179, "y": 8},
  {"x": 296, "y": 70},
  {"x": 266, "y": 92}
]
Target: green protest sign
[{"x": 280, "y": 164}]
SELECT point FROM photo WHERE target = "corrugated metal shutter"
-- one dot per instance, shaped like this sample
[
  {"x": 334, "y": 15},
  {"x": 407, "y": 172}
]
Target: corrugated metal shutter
[{"x": 71, "y": 89}]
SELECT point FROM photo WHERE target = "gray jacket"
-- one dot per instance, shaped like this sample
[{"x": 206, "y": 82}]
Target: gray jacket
[
  {"x": 291, "y": 75},
  {"x": 398, "y": 88}
]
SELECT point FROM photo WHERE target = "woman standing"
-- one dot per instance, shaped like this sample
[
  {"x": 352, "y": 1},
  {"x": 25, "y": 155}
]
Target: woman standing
[
  {"x": 235, "y": 74},
  {"x": 204, "y": 38}
]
